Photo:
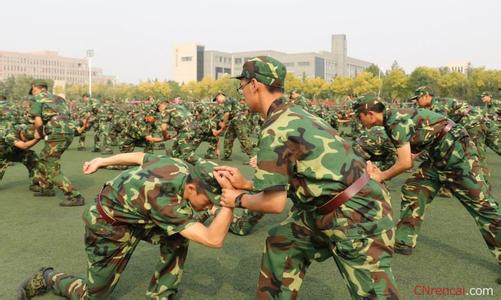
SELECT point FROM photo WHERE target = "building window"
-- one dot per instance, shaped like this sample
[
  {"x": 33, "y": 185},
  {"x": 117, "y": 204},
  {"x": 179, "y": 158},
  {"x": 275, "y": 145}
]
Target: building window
[
  {"x": 290, "y": 64},
  {"x": 303, "y": 63},
  {"x": 186, "y": 58},
  {"x": 238, "y": 60}
]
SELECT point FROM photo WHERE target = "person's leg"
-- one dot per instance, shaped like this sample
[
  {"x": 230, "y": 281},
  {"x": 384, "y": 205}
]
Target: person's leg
[
  {"x": 243, "y": 135},
  {"x": 168, "y": 271},
  {"x": 229, "y": 139},
  {"x": 288, "y": 253},
  {"x": 365, "y": 264},
  {"x": 243, "y": 224},
  {"x": 466, "y": 180},
  {"x": 417, "y": 192},
  {"x": 54, "y": 172}
]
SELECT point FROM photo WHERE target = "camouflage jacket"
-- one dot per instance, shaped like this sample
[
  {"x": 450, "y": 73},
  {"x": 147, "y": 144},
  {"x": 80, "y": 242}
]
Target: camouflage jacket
[
  {"x": 178, "y": 117},
  {"x": 422, "y": 128},
  {"x": 373, "y": 144},
  {"x": 150, "y": 195},
  {"x": 54, "y": 112},
  {"x": 300, "y": 153}
]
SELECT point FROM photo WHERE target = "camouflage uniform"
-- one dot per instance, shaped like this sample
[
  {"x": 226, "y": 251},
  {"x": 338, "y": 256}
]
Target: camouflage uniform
[
  {"x": 238, "y": 127},
  {"x": 374, "y": 145},
  {"x": 58, "y": 131},
  {"x": 146, "y": 204},
  {"x": 10, "y": 153},
  {"x": 102, "y": 128},
  {"x": 302, "y": 154},
  {"x": 452, "y": 162},
  {"x": 208, "y": 118},
  {"x": 178, "y": 118}
]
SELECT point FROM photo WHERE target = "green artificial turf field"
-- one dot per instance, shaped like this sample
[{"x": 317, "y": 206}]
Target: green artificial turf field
[{"x": 38, "y": 232}]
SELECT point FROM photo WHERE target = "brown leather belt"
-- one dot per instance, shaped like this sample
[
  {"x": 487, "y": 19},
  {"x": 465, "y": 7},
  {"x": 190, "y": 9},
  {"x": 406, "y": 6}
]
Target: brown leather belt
[
  {"x": 345, "y": 195},
  {"x": 446, "y": 129},
  {"x": 103, "y": 213}
]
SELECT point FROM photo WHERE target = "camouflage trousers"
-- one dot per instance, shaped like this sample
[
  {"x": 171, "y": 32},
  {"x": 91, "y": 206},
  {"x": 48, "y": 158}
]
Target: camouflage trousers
[
  {"x": 184, "y": 147},
  {"x": 49, "y": 166},
  {"x": 212, "y": 142},
  {"x": 81, "y": 140},
  {"x": 461, "y": 173},
  {"x": 234, "y": 131},
  {"x": 28, "y": 158},
  {"x": 243, "y": 224},
  {"x": 362, "y": 251},
  {"x": 127, "y": 145},
  {"x": 109, "y": 248},
  {"x": 102, "y": 138}
]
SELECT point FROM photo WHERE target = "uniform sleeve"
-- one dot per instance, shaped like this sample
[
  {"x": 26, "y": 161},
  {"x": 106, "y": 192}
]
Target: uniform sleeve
[
  {"x": 170, "y": 215},
  {"x": 273, "y": 165},
  {"x": 149, "y": 157},
  {"x": 401, "y": 129},
  {"x": 36, "y": 108}
]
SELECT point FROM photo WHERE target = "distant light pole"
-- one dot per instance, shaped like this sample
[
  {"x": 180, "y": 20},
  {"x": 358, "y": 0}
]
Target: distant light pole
[{"x": 90, "y": 55}]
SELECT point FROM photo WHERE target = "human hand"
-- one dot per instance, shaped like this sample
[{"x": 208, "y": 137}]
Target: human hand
[
  {"x": 92, "y": 166},
  {"x": 234, "y": 176},
  {"x": 253, "y": 162},
  {"x": 374, "y": 172},
  {"x": 228, "y": 197}
]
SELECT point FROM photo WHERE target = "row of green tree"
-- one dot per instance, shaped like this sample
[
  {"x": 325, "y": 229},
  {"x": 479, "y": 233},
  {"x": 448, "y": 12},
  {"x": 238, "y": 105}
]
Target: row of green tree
[{"x": 392, "y": 84}]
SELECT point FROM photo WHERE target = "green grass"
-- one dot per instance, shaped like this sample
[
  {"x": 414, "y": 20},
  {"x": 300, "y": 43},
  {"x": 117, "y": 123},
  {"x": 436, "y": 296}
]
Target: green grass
[{"x": 38, "y": 232}]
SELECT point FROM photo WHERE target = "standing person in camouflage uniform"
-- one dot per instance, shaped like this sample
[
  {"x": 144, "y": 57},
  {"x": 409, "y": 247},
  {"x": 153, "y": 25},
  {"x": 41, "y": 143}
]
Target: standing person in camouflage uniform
[
  {"x": 104, "y": 116},
  {"x": 338, "y": 211},
  {"x": 237, "y": 128},
  {"x": 52, "y": 117},
  {"x": 452, "y": 162},
  {"x": 154, "y": 202},
  {"x": 177, "y": 117},
  {"x": 86, "y": 113}
]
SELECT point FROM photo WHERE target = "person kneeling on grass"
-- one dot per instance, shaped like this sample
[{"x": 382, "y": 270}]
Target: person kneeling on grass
[{"x": 154, "y": 202}]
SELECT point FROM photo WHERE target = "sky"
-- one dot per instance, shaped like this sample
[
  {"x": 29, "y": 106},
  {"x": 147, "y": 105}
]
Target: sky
[{"x": 133, "y": 40}]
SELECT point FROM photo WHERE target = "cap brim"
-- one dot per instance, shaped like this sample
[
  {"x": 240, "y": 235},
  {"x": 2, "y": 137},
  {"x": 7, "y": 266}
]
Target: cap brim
[
  {"x": 214, "y": 198},
  {"x": 414, "y": 98},
  {"x": 238, "y": 77}
]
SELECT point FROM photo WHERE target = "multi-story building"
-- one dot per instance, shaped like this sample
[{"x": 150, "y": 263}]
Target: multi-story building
[
  {"x": 49, "y": 65},
  {"x": 461, "y": 67},
  {"x": 193, "y": 62}
]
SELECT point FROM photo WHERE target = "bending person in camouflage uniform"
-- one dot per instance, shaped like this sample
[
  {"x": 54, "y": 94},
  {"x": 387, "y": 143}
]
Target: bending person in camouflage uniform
[
  {"x": 452, "y": 162},
  {"x": 14, "y": 149},
  {"x": 52, "y": 117},
  {"x": 155, "y": 203},
  {"x": 301, "y": 157}
]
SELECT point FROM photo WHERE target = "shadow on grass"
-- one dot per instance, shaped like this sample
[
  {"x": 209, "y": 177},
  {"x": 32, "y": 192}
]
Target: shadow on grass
[{"x": 463, "y": 255}]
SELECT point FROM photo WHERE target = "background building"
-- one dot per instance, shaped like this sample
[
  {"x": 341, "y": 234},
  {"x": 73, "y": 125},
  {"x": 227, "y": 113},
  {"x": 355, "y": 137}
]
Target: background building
[
  {"x": 191, "y": 62},
  {"x": 49, "y": 65},
  {"x": 461, "y": 67}
]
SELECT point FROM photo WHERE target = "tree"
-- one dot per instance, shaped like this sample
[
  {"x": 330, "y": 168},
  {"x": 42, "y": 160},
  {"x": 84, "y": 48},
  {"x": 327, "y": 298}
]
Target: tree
[
  {"x": 452, "y": 84},
  {"x": 424, "y": 76},
  {"x": 313, "y": 87},
  {"x": 374, "y": 70},
  {"x": 342, "y": 86},
  {"x": 366, "y": 82},
  {"x": 395, "y": 84}
]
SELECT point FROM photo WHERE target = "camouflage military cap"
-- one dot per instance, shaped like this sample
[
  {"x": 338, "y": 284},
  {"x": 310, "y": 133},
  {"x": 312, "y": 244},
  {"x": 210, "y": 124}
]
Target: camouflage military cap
[
  {"x": 40, "y": 82},
  {"x": 484, "y": 94},
  {"x": 266, "y": 70},
  {"x": 421, "y": 91},
  {"x": 202, "y": 171},
  {"x": 365, "y": 102}
]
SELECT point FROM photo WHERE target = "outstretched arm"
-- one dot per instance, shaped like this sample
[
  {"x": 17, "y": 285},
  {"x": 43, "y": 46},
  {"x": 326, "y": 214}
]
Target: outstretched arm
[{"x": 128, "y": 159}]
